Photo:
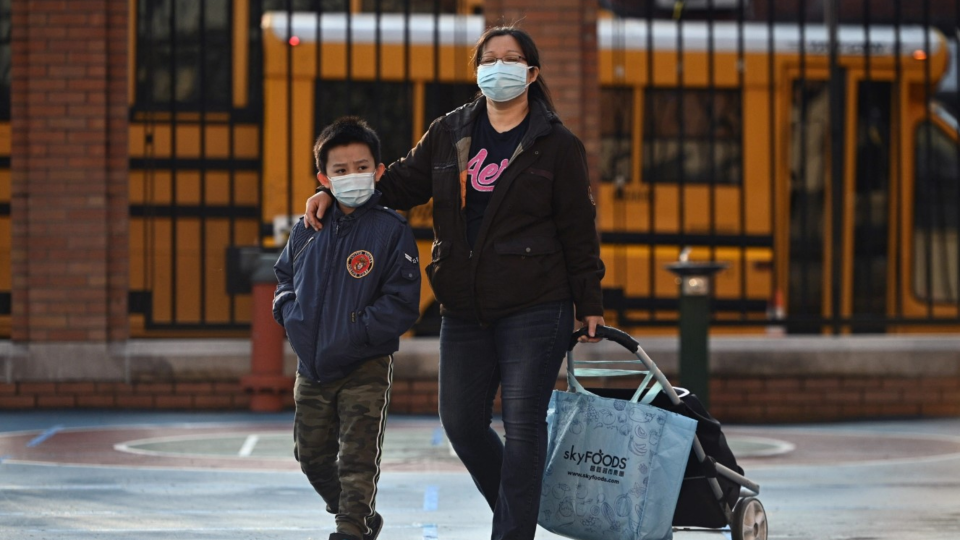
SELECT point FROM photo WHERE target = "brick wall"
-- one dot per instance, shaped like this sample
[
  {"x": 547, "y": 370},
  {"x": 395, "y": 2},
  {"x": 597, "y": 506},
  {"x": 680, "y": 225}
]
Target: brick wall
[
  {"x": 767, "y": 399},
  {"x": 69, "y": 170},
  {"x": 565, "y": 32}
]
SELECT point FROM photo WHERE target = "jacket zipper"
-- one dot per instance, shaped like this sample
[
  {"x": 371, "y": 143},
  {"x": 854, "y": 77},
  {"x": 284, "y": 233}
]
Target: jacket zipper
[
  {"x": 321, "y": 298},
  {"x": 303, "y": 248}
]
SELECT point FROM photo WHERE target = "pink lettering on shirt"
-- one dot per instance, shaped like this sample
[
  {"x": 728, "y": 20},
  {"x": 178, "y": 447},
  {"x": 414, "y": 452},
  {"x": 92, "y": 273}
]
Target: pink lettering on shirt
[{"x": 486, "y": 178}]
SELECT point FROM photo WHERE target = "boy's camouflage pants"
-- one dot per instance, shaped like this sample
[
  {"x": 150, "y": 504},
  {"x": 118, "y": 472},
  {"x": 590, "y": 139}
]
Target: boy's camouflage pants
[{"x": 345, "y": 419}]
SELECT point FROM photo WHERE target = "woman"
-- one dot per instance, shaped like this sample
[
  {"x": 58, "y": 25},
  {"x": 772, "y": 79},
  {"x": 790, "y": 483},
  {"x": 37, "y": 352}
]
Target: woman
[{"x": 515, "y": 251}]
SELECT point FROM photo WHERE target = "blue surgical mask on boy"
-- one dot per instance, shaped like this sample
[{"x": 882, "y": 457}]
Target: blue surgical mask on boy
[
  {"x": 352, "y": 189},
  {"x": 502, "y": 82}
]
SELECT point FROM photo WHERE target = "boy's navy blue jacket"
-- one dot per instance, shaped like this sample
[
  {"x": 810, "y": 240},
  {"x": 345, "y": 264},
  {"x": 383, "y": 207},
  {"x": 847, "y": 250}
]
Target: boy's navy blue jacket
[{"x": 348, "y": 291}]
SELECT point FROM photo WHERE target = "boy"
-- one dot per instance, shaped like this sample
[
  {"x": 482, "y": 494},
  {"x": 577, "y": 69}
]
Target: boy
[{"x": 345, "y": 295}]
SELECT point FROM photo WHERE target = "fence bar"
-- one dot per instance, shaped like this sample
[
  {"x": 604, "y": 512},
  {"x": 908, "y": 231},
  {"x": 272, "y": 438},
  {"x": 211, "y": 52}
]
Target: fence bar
[
  {"x": 149, "y": 176},
  {"x": 803, "y": 194},
  {"x": 289, "y": 104},
  {"x": 648, "y": 160},
  {"x": 929, "y": 158},
  {"x": 741, "y": 83},
  {"x": 377, "y": 69},
  {"x": 711, "y": 112},
  {"x": 897, "y": 114},
  {"x": 201, "y": 79},
  {"x": 956, "y": 65},
  {"x": 681, "y": 130},
  {"x": 406, "y": 73},
  {"x": 232, "y": 170},
  {"x": 173, "y": 162},
  {"x": 772, "y": 120},
  {"x": 837, "y": 90},
  {"x": 870, "y": 173}
]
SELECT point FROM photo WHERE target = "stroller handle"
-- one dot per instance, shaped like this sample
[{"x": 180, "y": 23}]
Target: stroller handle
[{"x": 607, "y": 332}]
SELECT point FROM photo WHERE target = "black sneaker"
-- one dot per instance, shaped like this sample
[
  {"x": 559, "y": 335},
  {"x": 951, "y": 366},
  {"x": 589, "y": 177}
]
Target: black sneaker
[
  {"x": 375, "y": 523},
  {"x": 342, "y": 536}
]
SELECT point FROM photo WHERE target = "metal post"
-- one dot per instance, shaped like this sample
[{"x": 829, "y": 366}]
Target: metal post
[
  {"x": 837, "y": 88},
  {"x": 694, "y": 278},
  {"x": 266, "y": 382}
]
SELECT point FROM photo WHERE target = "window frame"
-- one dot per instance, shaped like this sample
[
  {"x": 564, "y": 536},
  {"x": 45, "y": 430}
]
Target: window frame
[{"x": 735, "y": 143}]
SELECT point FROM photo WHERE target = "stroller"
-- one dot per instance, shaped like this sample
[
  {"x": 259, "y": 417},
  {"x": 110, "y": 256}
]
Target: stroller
[{"x": 710, "y": 495}]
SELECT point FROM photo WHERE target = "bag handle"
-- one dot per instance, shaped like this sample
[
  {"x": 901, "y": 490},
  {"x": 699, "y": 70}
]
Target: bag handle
[
  {"x": 609, "y": 333},
  {"x": 626, "y": 341}
]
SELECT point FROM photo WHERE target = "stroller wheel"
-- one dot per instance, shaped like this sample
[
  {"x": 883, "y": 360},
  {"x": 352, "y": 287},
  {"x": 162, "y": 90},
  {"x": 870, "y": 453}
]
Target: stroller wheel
[{"x": 749, "y": 520}]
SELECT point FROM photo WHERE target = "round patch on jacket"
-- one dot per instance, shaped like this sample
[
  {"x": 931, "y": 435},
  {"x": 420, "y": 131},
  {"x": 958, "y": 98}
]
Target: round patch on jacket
[{"x": 360, "y": 263}]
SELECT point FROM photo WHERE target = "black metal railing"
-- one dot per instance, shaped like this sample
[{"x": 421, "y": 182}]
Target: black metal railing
[{"x": 811, "y": 144}]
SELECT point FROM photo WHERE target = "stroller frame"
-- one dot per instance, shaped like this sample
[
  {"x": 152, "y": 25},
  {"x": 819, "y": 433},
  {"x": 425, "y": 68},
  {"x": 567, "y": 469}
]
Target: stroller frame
[{"x": 747, "y": 519}]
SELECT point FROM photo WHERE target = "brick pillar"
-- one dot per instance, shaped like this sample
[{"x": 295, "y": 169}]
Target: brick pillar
[
  {"x": 69, "y": 200},
  {"x": 565, "y": 31}
]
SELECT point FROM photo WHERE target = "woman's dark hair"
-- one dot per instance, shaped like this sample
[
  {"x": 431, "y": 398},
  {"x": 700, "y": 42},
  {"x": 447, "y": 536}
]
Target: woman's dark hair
[{"x": 538, "y": 90}]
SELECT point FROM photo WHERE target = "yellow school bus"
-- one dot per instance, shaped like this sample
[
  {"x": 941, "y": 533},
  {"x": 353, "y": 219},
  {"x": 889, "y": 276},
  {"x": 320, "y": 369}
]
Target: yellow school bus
[{"x": 714, "y": 136}]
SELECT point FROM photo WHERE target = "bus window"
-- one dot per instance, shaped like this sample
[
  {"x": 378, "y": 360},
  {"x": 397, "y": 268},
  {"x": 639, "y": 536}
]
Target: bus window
[
  {"x": 172, "y": 61},
  {"x": 872, "y": 199},
  {"x": 935, "y": 258},
  {"x": 442, "y": 98},
  {"x": 809, "y": 162},
  {"x": 384, "y": 105},
  {"x": 616, "y": 134},
  {"x": 662, "y": 136}
]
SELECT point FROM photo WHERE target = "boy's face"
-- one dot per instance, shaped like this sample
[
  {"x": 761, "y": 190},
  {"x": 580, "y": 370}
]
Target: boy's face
[{"x": 351, "y": 158}]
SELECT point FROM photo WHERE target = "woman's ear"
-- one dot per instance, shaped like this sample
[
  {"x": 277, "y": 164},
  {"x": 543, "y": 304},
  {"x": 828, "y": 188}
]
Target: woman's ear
[
  {"x": 532, "y": 74},
  {"x": 324, "y": 181},
  {"x": 379, "y": 172}
]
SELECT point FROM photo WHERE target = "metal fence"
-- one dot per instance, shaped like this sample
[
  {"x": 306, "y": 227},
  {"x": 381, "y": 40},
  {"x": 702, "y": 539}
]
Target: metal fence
[
  {"x": 842, "y": 114},
  {"x": 810, "y": 144}
]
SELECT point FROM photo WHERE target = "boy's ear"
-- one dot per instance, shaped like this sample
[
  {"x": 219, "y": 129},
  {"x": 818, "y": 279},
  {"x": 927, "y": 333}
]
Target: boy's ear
[
  {"x": 379, "y": 173},
  {"x": 324, "y": 181}
]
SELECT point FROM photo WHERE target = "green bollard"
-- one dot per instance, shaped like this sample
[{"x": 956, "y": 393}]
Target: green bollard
[{"x": 694, "y": 278}]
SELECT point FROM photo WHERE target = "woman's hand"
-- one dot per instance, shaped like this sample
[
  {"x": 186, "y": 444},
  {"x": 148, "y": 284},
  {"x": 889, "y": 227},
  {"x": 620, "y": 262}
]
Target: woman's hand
[
  {"x": 591, "y": 322},
  {"x": 316, "y": 206}
]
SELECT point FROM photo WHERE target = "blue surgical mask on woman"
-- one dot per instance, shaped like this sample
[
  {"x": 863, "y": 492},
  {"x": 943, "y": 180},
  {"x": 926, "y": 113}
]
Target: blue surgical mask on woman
[
  {"x": 352, "y": 189},
  {"x": 502, "y": 82}
]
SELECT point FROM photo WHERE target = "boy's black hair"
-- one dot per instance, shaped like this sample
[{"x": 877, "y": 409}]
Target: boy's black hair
[{"x": 343, "y": 131}]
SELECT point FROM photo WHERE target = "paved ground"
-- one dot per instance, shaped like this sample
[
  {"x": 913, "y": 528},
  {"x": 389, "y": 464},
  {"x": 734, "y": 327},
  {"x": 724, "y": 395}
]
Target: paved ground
[{"x": 110, "y": 475}]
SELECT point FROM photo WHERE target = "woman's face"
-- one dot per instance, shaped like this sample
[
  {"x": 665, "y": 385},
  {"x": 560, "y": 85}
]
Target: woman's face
[{"x": 506, "y": 46}]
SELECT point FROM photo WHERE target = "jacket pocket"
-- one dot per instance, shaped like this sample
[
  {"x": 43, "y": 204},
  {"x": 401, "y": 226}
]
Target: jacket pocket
[
  {"x": 298, "y": 332},
  {"x": 438, "y": 252},
  {"x": 524, "y": 271},
  {"x": 358, "y": 331},
  {"x": 528, "y": 247},
  {"x": 449, "y": 275}
]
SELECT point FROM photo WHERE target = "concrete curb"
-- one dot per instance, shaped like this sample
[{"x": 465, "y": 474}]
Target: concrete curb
[{"x": 418, "y": 358}]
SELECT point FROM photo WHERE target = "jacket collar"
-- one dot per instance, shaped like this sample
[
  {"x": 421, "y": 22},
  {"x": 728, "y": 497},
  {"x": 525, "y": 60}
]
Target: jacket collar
[
  {"x": 460, "y": 122},
  {"x": 338, "y": 214}
]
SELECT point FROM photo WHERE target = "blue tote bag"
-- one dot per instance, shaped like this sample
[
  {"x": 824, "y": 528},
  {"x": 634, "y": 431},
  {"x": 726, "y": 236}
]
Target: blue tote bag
[{"x": 614, "y": 467}]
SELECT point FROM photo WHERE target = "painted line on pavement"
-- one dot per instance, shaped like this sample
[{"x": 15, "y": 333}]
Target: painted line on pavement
[
  {"x": 431, "y": 498},
  {"x": 44, "y": 436},
  {"x": 249, "y": 445},
  {"x": 430, "y": 532},
  {"x": 437, "y": 437}
]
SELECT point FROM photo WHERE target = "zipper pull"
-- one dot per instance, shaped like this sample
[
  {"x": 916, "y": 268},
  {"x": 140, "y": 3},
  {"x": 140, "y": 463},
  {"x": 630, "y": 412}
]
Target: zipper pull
[{"x": 353, "y": 316}]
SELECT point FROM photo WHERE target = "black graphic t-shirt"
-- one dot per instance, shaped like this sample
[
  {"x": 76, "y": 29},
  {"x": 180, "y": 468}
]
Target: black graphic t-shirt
[{"x": 490, "y": 152}]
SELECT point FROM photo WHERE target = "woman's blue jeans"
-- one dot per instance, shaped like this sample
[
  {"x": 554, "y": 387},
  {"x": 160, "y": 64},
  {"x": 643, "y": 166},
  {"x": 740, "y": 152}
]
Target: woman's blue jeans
[{"x": 521, "y": 354}]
